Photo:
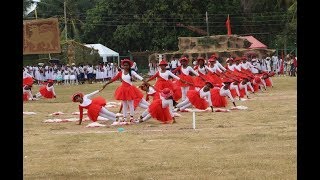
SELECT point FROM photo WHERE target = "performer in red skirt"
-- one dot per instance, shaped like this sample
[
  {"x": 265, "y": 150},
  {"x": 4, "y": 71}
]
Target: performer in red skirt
[
  {"x": 163, "y": 80},
  {"x": 160, "y": 109},
  {"x": 27, "y": 94},
  {"x": 199, "y": 99},
  {"x": 243, "y": 88},
  {"x": 126, "y": 91},
  {"x": 218, "y": 95},
  {"x": 47, "y": 91},
  {"x": 185, "y": 70},
  {"x": 95, "y": 106},
  {"x": 150, "y": 90},
  {"x": 202, "y": 69}
]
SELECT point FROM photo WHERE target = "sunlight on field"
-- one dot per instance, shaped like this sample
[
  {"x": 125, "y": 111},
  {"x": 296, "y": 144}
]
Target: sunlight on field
[{"x": 257, "y": 143}]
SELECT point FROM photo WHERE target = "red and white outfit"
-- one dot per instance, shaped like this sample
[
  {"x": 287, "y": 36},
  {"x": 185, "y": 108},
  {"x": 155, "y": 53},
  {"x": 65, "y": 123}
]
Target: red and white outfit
[
  {"x": 218, "y": 96},
  {"x": 243, "y": 89},
  {"x": 163, "y": 81},
  {"x": 27, "y": 78},
  {"x": 234, "y": 89},
  {"x": 186, "y": 77},
  {"x": 199, "y": 99},
  {"x": 199, "y": 80},
  {"x": 27, "y": 95},
  {"x": 153, "y": 93},
  {"x": 95, "y": 107},
  {"x": 46, "y": 92},
  {"x": 127, "y": 92},
  {"x": 160, "y": 109}
]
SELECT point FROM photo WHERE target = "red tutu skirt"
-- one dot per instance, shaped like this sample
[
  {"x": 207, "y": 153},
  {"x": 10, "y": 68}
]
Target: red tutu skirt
[
  {"x": 25, "y": 97},
  {"x": 95, "y": 107},
  {"x": 242, "y": 92},
  {"x": 185, "y": 78},
  {"x": 45, "y": 93},
  {"x": 233, "y": 93},
  {"x": 28, "y": 81},
  {"x": 157, "y": 112},
  {"x": 256, "y": 87},
  {"x": 268, "y": 82},
  {"x": 161, "y": 84},
  {"x": 176, "y": 89},
  {"x": 216, "y": 99},
  {"x": 196, "y": 100},
  {"x": 214, "y": 79},
  {"x": 127, "y": 92},
  {"x": 199, "y": 82}
]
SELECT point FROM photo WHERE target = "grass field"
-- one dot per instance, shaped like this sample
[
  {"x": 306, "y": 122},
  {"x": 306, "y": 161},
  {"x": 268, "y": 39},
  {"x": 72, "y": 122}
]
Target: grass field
[{"x": 257, "y": 143}]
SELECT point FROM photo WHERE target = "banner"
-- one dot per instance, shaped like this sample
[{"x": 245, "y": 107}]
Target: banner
[{"x": 41, "y": 36}]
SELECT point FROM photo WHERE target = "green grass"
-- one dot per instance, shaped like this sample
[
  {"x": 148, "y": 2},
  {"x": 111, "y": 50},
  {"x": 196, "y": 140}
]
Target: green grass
[{"x": 258, "y": 143}]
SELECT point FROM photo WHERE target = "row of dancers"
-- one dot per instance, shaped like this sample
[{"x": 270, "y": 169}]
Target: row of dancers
[{"x": 208, "y": 86}]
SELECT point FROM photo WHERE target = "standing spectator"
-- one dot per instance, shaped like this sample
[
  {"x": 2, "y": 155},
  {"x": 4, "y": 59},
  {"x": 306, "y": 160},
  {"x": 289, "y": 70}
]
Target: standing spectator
[
  {"x": 134, "y": 66},
  {"x": 174, "y": 64}
]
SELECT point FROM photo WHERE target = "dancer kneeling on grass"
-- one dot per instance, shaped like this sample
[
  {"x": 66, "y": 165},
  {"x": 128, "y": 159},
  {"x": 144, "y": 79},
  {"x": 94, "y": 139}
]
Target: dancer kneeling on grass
[
  {"x": 46, "y": 91},
  {"x": 218, "y": 95},
  {"x": 95, "y": 106},
  {"x": 199, "y": 99},
  {"x": 160, "y": 109}
]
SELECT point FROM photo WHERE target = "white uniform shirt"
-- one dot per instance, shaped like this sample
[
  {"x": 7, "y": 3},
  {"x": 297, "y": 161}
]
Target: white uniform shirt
[
  {"x": 86, "y": 99},
  {"x": 166, "y": 75},
  {"x": 167, "y": 103},
  {"x": 127, "y": 78},
  {"x": 187, "y": 70},
  {"x": 226, "y": 92},
  {"x": 206, "y": 96}
]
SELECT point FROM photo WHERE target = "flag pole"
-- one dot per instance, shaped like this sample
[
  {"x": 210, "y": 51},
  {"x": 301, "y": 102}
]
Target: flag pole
[{"x": 207, "y": 23}]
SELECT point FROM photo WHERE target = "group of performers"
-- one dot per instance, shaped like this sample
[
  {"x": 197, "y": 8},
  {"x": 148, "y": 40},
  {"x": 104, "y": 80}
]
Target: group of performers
[{"x": 208, "y": 84}]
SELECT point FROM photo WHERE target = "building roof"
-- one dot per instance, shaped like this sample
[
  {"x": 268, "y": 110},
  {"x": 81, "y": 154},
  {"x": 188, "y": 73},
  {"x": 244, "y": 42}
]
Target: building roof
[{"x": 255, "y": 43}]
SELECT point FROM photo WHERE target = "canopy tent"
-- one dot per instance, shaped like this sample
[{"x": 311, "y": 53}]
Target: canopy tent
[
  {"x": 104, "y": 51},
  {"x": 255, "y": 42}
]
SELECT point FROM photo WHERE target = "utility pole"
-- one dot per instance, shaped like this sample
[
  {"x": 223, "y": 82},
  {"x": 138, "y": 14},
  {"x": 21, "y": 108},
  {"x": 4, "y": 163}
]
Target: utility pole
[
  {"x": 207, "y": 23},
  {"x": 65, "y": 19}
]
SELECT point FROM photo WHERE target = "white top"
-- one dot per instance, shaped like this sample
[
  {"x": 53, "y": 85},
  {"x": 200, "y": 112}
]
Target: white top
[
  {"x": 168, "y": 103},
  {"x": 219, "y": 66},
  {"x": 86, "y": 99},
  {"x": 246, "y": 65},
  {"x": 127, "y": 78},
  {"x": 166, "y": 75},
  {"x": 224, "y": 92},
  {"x": 151, "y": 90},
  {"x": 231, "y": 67},
  {"x": 206, "y": 96},
  {"x": 187, "y": 70},
  {"x": 237, "y": 67},
  {"x": 174, "y": 63},
  {"x": 28, "y": 92},
  {"x": 51, "y": 89},
  {"x": 25, "y": 74},
  {"x": 90, "y": 69},
  {"x": 203, "y": 69}
]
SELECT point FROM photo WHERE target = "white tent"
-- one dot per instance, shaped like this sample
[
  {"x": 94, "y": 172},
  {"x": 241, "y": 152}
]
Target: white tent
[{"x": 104, "y": 52}]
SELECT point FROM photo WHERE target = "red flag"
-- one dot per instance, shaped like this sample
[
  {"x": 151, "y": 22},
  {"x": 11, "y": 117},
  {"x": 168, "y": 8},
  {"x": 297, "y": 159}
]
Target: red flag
[{"x": 228, "y": 25}]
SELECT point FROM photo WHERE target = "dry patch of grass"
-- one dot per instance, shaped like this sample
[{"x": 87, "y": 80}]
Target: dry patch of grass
[{"x": 258, "y": 143}]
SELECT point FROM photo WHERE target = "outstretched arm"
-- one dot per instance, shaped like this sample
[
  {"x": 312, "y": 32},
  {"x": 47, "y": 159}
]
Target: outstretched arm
[{"x": 112, "y": 80}]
